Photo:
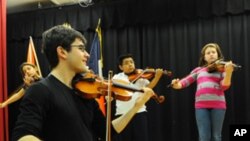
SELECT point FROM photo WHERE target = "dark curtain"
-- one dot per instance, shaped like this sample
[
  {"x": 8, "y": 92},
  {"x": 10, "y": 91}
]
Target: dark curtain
[{"x": 161, "y": 34}]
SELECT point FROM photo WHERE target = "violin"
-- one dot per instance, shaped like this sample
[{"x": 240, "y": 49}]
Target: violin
[
  {"x": 146, "y": 74},
  {"x": 91, "y": 86},
  {"x": 218, "y": 65}
]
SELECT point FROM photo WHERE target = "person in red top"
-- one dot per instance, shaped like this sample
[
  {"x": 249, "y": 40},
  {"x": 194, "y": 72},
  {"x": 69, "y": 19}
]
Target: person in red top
[{"x": 30, "y": 75}]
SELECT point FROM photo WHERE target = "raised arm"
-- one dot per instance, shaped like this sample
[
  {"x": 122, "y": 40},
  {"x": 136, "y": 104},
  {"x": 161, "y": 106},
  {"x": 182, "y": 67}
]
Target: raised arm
[
  {"x": 16, "y": 96},
  {"x": 121, "y": 122},
  {"x": 28, "y": 80},
  {"x": 158, "y": 74}
]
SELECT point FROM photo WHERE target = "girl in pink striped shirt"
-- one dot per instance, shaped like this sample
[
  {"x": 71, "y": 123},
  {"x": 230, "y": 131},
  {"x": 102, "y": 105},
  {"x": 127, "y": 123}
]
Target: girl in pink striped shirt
[{"x": 210, "y": 104}]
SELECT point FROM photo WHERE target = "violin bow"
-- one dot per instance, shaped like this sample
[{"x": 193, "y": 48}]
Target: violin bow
[{"x": 108, "y": 125}]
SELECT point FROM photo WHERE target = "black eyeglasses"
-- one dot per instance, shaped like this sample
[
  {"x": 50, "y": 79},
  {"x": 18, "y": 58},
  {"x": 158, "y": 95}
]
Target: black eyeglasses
[{"x": 81, "y": 47}]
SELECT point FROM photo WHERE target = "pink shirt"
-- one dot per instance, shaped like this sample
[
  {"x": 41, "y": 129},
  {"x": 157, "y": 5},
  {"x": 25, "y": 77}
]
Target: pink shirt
[{"x": 209, "y": 91}]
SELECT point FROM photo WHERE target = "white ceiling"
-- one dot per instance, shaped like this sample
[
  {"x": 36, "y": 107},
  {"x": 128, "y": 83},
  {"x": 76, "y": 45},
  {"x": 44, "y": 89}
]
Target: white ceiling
[{"x": 14, "y": 6}]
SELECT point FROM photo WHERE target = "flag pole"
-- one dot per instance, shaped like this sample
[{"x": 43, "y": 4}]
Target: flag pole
[
  {"x": 100, "y": 63},
  {"x": 98, "y": 25},
  {"x": 38, "y": 66}
]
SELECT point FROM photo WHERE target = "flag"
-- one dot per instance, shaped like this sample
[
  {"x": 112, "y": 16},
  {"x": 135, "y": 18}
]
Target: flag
[
  {"x": 32, "y": 57},
  {"x": 95, "y": 61}
]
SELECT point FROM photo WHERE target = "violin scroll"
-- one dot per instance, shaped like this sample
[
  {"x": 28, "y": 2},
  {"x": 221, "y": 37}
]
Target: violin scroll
[{"x": 159, "y": 99}]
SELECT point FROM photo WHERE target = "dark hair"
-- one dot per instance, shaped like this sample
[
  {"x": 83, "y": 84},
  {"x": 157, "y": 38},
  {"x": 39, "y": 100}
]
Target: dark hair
[
  {"x": 59, "y": 35},
  {"x": 124, "y": 56},
  {"x": 25, "y": 64},
  {"x": 202, "y": 61}
]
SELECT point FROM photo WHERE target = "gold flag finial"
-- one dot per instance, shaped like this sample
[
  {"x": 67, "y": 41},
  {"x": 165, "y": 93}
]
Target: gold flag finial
[{"x": 67, "y": 25}]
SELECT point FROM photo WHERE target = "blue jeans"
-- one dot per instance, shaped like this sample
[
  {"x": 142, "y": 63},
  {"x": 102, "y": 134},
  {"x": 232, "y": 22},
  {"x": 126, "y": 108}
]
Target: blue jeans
[{"x": 209, "y": 123}]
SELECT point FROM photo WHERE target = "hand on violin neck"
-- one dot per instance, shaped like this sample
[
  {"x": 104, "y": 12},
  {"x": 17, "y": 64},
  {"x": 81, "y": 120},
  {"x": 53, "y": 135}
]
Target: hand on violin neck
[
  {"x": 158, "y": 72},
  {"x": 229, "y": 68}
]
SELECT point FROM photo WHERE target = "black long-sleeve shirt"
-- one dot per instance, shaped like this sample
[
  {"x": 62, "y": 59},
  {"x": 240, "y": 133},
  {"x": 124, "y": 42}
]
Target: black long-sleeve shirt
[{"x": 58, "y": 113}]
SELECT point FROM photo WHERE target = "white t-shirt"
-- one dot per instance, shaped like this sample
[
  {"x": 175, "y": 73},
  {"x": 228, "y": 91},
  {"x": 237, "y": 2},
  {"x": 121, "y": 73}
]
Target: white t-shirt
[{"x": 123, "y": 106}]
